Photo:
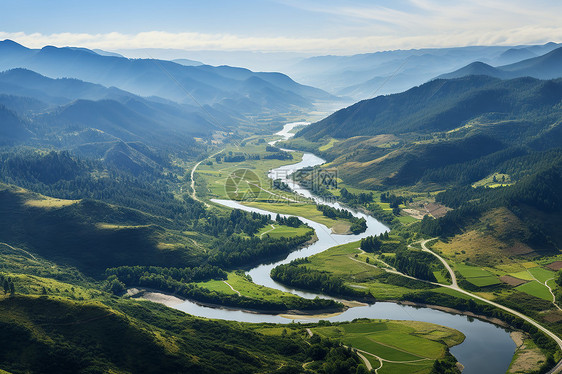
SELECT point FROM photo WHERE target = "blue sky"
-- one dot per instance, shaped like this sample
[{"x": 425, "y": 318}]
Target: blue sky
[{"x": 307, "y": 26}]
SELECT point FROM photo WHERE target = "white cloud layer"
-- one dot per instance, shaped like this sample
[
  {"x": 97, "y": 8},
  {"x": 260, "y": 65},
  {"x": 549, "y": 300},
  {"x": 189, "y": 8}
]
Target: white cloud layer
[
  {"x": 347, "y": 27},
  {"x": 343, "y": 45}
]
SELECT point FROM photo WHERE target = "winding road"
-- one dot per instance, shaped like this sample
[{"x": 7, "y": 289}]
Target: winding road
[
  {"x": 454, "y": 286},
  {"x": 363, "y": 358},
  {"x": 454, "y": 283},
  {"x": 193, "y": 193}
]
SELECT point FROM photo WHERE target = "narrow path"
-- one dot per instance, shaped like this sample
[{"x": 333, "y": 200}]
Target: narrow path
[
  {"x": 366, "y": 361},
  {"x": 232, "y": 288},
  {"x": 552, "y": 293},
  {"x": 389, "y": 270},
  {"x": 393, "y": 362},
  {"x": 19, "y": 250},
  {"x": 547, "y": 286},
  {"x": 273, "y": 193},
  {"x": 265, "y": 232},
  {"x": 193, "y": 194}
]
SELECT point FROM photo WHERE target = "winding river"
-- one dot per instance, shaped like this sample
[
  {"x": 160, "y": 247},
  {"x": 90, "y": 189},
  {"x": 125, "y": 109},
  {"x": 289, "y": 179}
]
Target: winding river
[{"x": 486, "y": 349}]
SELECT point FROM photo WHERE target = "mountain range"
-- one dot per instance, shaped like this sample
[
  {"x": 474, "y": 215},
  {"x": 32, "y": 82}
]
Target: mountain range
[
  {"x": 547, "y": 66},
  {"x": 235, "y": 89},
  {"x": 367, "y": 75},
  {"x": 64, "y": 110},
  {"x": 440, "y": 105}
]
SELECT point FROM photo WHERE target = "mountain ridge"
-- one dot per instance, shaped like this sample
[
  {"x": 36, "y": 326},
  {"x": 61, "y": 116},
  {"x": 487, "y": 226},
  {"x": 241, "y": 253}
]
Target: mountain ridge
[
  {"x": 206, "y": 84},
  {"x": 547, "y": 66}
]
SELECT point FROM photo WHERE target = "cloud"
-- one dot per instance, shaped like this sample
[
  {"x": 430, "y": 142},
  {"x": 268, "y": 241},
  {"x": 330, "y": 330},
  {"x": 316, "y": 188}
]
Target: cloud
[{"x": 342, "y": 45}]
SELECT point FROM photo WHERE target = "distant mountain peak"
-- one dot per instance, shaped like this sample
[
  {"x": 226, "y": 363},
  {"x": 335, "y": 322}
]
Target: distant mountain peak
[
  {"x": 187, "y": 62},
  {"x": 475, "y": 68},
  {"x": 7, "y": 43},
  {"x": 546, "y": 66}
]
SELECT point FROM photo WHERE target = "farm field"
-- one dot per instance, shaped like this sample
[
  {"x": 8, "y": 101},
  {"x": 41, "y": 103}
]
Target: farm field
[
  {"x": 477, "y": 276},
  {"x": 402, "y": 346},
  {"x": 541, "y": 274},
  {"x": 537, "y": 289}
]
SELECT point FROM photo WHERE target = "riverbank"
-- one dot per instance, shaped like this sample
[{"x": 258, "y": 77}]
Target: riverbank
[
  {"x": 171, "y": 300},
  {"x": 495, "y": 321}
]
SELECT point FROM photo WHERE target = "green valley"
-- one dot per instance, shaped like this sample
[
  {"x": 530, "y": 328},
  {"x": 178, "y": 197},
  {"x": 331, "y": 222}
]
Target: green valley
[{"x": 171, "y": 213}]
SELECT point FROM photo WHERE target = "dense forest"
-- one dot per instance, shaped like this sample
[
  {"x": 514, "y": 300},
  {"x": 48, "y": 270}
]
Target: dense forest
[
  {"x": 62, "y": 175},
  {"x": 415, "y": 263},
  {"x": 236, "y": 251}
]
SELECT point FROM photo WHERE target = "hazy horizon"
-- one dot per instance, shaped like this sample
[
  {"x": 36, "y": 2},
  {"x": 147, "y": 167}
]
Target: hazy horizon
[{"x": 306, "y": 27}]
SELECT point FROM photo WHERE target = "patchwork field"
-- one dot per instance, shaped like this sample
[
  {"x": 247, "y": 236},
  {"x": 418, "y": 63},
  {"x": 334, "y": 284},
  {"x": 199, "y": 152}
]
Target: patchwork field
[
  {"x": 477, "y": 276},
  {"x": 536, "y": 289},
  {"x": 401, "y": 347},
  {"x": 541, "y": 274},
  {"x": 556, "y": 265}
]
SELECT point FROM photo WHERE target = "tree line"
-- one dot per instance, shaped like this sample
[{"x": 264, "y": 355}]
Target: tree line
[
  {"x": 237, "y": 251},
  {"x": 177, "y": 281},
  {"x": 290, "y": 221},
  {"x": 415, "y": 263},
  {"x": 7, "y": 284},
  {"x": 358, "y": 225},
  {"x": 304, "y": 277}
]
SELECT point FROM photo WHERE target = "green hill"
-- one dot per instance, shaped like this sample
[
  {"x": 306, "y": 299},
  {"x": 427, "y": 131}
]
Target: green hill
[
  {"x": 428, "y": 136},
  {"x": 441, "y": 105},
  {"x": 49, "y": 335},
  {"x": 87, "y": 234},
  {"x": 458, "y": 137}
]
